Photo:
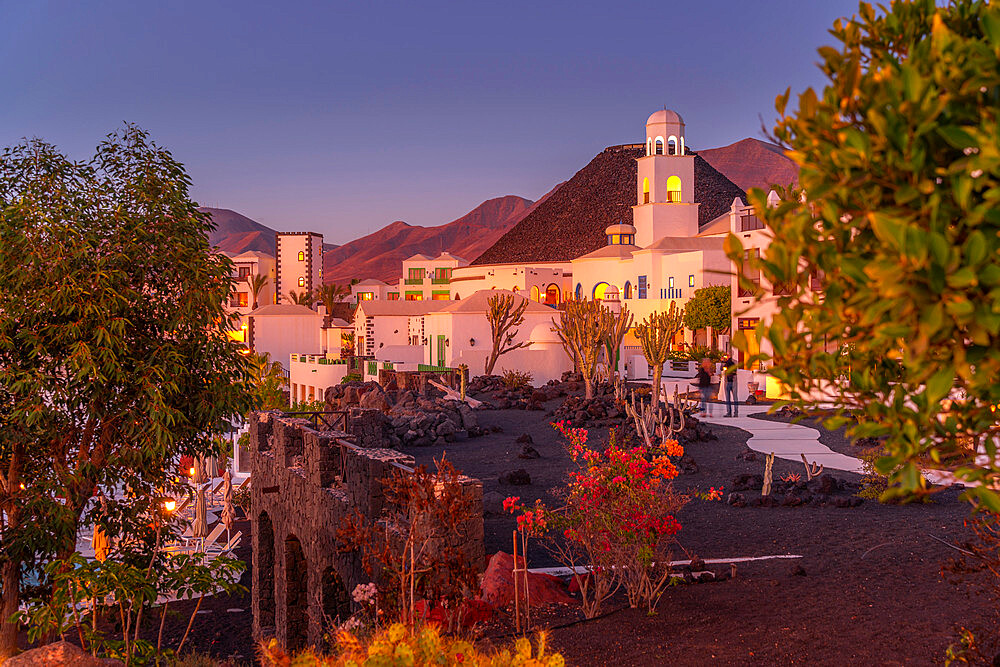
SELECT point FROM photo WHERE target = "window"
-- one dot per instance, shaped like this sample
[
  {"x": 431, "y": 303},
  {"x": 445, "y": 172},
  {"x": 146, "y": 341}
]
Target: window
[
  {"x": 244, "y": 272},
  {"x": 670, "y": 282},
  {"x": 302, "y": 282},
  {"x": 642, "y": 287},
  {"x": 414, "y": 296},
  {"x": 671, "y": 146},
  {"x": 816, "y": 277},
  {"x": 659, "y": 146},
  {"x": 691, "y": 280},
  {"x": 750, "y": 272},
  {"x": 750, "y": 222},
  {"x": 440, "y": 296},
  {"x": 674, "y": 189},
  {"x": 366, "y": 296},
  {"x": 579, "y": 291},
  {"x": 414, "y": 276},
  {"x": 239, "y": 300},
  {"x": 628, "y": 290},
  {"x": 302, "y": 256},
  {"x": 645, "y": 191},
  {"x": 393, "y": 296}
]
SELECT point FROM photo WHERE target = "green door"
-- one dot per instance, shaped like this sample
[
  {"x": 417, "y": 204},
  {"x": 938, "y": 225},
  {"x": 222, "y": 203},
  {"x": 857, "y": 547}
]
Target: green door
[{"x": 440, "y": 351}]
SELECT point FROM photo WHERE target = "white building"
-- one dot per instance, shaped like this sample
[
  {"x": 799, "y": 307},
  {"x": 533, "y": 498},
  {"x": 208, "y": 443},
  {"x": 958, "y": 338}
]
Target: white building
[
  {"x": 373, "y": 290},
  {"x": 299, "y": 263},
  {"x": 427, "y": 278}
]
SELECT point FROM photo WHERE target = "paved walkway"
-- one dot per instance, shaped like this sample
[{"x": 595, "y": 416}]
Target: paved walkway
[{"x": 787, "y": 441}]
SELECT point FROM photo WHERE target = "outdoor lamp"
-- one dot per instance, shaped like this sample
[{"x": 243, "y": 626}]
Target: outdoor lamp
[
  {"x": 170, "y": 505},
  {"x": 447, "y": 342},
  {"x": 472, "y": 342},
  {"x": 191, "y": 471}
]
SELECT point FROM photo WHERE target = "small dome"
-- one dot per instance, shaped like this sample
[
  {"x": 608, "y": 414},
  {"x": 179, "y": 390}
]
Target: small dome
[
  {"x": 620, "y": 228},
  {"x": 665, "y": 116},
  {"x": 543, "y": 333},
  {"x": 611, "y": 293}
]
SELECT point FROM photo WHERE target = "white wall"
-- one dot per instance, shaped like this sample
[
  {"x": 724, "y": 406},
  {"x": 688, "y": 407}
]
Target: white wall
[
  {"x": 308, "y": 378},
  {"x": 281, "y": 335}
]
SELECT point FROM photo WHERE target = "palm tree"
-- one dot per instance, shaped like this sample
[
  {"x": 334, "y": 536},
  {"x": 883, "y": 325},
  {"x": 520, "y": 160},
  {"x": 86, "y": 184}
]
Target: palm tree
[
  {"x": 303, "y": 298},
  {"x": 257, "y": 283},
  {"x": 330, "y": 294}
]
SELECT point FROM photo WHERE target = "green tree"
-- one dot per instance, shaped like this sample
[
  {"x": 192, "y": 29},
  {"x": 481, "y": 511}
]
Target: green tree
[
  {"x": 115, "y": 357},
  {"x": 269, "y": 383},
  {"x": 303, "y": 298},
  {"x": 331, "y": 294},
  {"x": 256, "y": 283},
  {"x": 710, "y": 307},
  {"x": 897, "y": 224}
]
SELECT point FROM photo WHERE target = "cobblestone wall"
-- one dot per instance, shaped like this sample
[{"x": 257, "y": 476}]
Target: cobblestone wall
[{"x": 303, "y": 483}]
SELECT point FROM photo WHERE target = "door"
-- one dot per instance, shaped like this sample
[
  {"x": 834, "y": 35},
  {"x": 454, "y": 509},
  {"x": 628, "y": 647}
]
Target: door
[{"x": 440, "y": 359}]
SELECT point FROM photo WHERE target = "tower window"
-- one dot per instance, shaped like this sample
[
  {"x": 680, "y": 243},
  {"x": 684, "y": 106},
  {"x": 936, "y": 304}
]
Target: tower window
[
  {"x": 691, "y": 280},
  {"x": 302, "y": 256},
  {"x": 671, "y": 146},
  {"x": 659, "y": 146},
  {"x": 674, "y": 189},
  {"x": 645, "y": 191},
  {"x": 302, "y": 282}
]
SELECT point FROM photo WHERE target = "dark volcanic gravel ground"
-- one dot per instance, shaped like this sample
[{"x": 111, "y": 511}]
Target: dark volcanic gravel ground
[{"x": 872, "y": 592}]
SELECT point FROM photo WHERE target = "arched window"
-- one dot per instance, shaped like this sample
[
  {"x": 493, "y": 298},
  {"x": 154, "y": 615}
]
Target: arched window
[
  {"x": 674, "y": 189},
  {"x": 579, "y": 291},
  {"x": 552, "y": 295},
  {"x": 628, "y": 290},
  {"x": 302, "y": 256},
  {"x": 645, "y": 191},
  {"x": 534, "y": 293},
  {"x": 659, "y": 146},
  {"x": 599, "y": 290},
  {"x": 649, "y": 146},
  {"x": 302, "y": 282},
  {"x": 672, "y": 145}
]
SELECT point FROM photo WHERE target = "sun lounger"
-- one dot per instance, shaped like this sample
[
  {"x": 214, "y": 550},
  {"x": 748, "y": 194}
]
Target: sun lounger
[
  {"x": 234, "y": 542},
  {"x": 212, "y": 538}
]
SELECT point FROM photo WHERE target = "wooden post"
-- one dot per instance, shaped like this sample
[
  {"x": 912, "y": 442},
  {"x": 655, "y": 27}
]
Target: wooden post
[{"x": 517, "y": 608}]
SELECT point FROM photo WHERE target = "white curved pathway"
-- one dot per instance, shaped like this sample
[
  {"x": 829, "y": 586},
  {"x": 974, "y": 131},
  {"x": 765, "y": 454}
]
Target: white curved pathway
[{"x": 787, "y": 441}]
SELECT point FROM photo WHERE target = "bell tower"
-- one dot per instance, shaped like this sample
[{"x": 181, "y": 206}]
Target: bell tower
[{"x": 665, "y": 203}]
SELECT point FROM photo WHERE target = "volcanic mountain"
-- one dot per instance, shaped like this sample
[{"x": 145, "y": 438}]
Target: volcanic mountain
[
  {"x": 752, "y": 163},
  {"x": 571, "y": 222},
  {"x": 236, "y": 233},
  {"x": 380, "y": 254}
]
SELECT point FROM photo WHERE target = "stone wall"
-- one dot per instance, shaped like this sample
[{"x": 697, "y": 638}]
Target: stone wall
[{"x": 304, "y": 483}]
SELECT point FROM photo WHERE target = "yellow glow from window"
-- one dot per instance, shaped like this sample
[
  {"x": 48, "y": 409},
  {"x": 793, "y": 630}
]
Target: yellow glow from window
[
  {"x": 600, "y": 290},
  {"x": 302, "y": 256},
  {"x": 302, "y": 282},
  {"x": 674, "y": 189},
  {"x": 170, "y": 505}
]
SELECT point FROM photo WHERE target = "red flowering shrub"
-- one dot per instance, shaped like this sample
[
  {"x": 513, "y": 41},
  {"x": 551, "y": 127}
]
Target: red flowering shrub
[{"x": 618, "y": 519}]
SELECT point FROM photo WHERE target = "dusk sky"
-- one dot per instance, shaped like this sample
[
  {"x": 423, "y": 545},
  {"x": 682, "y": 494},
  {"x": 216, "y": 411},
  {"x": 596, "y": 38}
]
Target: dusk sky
[{"x": 340, "y": 118}]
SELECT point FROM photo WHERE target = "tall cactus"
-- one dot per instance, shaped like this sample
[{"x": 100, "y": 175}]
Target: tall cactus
[
  {"x": 655, "y": 333},
  {"x": 613, "y": 342},
  {"x": 504, "y": 315},
  {"x": 582, "y": 329}
]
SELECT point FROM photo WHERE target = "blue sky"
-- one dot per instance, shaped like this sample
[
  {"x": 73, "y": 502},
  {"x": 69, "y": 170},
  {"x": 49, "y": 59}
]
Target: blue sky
[{"x": 343, "y": 117}]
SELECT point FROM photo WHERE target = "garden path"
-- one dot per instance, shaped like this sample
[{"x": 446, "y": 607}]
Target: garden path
[{"x": 787, "y": 441}]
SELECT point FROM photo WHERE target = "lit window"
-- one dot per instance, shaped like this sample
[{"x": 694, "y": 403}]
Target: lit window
[
  {"x": 302, "y": 282},
  {"x": 674, "y": 189},
  {"x": 645, "y": 191},
  {"x": 670, "y": 282},
  {"x": 302, "y": 256},
  {"x": 366, "y": 296},
  {"x": 691, "y": 280}
]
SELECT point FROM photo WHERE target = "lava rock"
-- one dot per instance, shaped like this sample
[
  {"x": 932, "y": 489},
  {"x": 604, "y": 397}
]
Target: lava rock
[
  {"x": 524, "y": 438},
  {"x": 528, "y": 452},
  {"x": 519, "y": 477}
]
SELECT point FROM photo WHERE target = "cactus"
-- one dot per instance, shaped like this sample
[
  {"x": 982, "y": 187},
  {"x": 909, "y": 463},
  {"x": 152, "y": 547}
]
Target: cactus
[
  {"x": 463, "y": 371},
  {"x": 650, "y": 421},
  {"x": 812, "y": 469},
  {"x": 619, "y": 387},
  {"x": 766, "y": 489},
  {"x": 582, "y": 328},
  {"x": 655, "y": 334}
]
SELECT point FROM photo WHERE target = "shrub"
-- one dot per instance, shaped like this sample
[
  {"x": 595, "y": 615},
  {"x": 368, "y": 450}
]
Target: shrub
[
  {"x": 873, "y": 483},
  {"x": 516, "y": 379},
  {"x": 618, "y": 517},
  {"x": 396, "y": 645},
  {"x": 351, "y": 377}
]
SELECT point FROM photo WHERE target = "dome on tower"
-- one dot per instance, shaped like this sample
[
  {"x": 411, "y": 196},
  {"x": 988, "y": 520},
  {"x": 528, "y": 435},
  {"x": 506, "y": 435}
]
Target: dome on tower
[{"x": 665, "y": 116}]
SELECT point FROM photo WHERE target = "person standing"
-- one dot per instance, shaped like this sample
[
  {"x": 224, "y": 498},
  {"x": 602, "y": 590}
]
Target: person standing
[
  {"x": 729, "y": 384},
  {"x": 704, "y": 382}
]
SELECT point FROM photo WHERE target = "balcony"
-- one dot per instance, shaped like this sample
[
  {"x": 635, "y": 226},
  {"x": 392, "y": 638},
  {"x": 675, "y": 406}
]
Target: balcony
[
  {"x": 413, "y": 281},
  {"x": 440, "y": 281}
]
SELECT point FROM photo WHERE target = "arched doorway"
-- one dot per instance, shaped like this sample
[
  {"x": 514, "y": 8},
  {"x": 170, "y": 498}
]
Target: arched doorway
[
  {"x": 296, "y": 596},
  {"x": 264, "y": 564},
  {"x": 627, "y": 292},
  {"x": 534, "y": 293},
  {"x": 579, "y": 291},
  {"x": 552, "y": 295},
  {"x": 599, "y": 290},
  {"x": 336, "y": 601}
]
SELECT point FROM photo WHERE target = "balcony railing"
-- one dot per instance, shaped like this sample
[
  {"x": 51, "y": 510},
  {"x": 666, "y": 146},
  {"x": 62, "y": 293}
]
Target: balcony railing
[
  {"x": 413, "y": 281},
  {"x": 440, "y": 281}
]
